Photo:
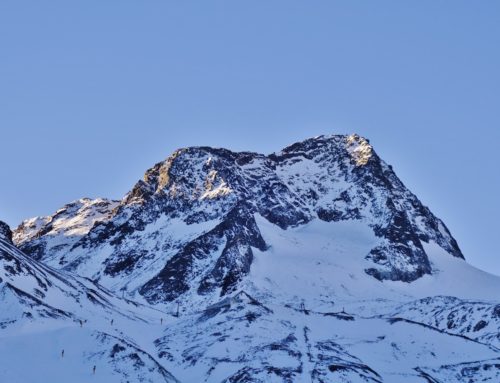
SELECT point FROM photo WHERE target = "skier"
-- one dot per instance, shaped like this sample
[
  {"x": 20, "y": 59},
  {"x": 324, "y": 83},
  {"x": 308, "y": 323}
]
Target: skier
[
  {"x": 93, "y": 370},
  {"x": 112, "y": 320},
  {"x": 62, "y": 353},
  {"x": 161, "y": 321},
  {"x": 81, "y": 323}
]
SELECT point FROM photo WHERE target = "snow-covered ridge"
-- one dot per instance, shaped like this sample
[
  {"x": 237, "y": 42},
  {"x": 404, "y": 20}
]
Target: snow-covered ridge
[
  {"x": 55, "y": 234},
  {"x": 474, "y": 319}
]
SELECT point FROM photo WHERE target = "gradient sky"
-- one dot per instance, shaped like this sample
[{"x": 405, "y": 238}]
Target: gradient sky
[{"x": 92, "y": 93}]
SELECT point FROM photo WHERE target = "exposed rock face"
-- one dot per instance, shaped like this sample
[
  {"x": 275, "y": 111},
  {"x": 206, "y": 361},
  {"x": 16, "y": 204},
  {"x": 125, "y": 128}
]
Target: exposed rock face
[
  {"x": 189, "y": 227},
  {"x": 5, "y": 232}
]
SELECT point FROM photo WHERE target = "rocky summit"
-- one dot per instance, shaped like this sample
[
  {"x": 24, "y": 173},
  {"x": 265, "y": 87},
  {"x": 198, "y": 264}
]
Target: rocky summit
[{"x": 312, "y": 264}]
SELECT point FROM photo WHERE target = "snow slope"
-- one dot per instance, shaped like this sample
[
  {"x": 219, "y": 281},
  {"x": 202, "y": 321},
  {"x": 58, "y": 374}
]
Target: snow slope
[
  {"x": 248, "y": 341},
  {"x": 37, "y": 357},
  {"x": 44, "y": 311}
]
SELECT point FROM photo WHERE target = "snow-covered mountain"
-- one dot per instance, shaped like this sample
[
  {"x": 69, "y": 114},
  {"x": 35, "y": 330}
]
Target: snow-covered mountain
[
  {"x": 194, "y": 215},
  {"x": 312, "y": 264}
]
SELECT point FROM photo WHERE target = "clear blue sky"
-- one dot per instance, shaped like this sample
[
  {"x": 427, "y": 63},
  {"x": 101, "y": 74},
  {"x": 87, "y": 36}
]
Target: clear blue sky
[{"x": 92, "y": 93}]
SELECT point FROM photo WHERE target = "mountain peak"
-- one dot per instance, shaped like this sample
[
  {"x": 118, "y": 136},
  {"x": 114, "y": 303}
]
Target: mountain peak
[
  {"x": 359, "y": 148},
  {"x": 176, "y": 170},
  {"x": 338, "y": 146}
]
